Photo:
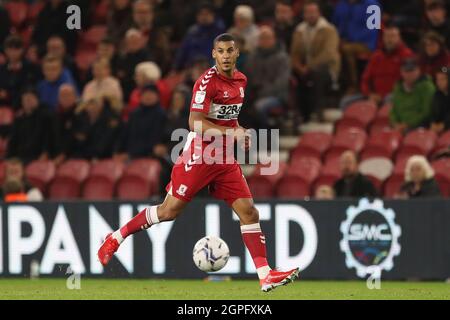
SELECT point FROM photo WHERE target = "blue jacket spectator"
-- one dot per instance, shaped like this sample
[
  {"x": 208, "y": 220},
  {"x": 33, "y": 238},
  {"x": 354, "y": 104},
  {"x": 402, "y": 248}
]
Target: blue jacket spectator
[
  {"x": 350, "y": 18},
  {"x": 55, "y": 75},
  {"x": 198, "y": 41}
]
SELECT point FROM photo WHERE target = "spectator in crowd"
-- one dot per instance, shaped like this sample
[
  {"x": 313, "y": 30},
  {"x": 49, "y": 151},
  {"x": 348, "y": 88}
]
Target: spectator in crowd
[
  {"x": 244, "y": 26},
  {"x": 350, "y": 18},
  {"x": 411, "y": 98},
  {"x": 146, "y": 73},
  {"x": 434, "y": 54},
  {"x": 315, "y": 59},
  {"x": 324, "y": 192},
  {"x": 135, "y": 53},
  {"x": 156, "y": 38},
  {"x": 285, "y": 22},
  {"x": 437, "y": 19},
  {"x": 198, "y": 42},
  {"x": 268, "y": 71},
  {"x": 104, "y": 87},
  {"x": 67, "y": 118},
  {"x": 16, "y": 73},
  {"x": 97, "y": 129},
  {"x": 107, "y": 50},
  {"x": 145, "y": 127},
  {"x": 440, "y": 118},
  {"x": 57, "y": 48},
  {"x": 53, "y": 20},
  {"x": 16, "y": 186},
  {"x": 419, "y": 179},
  {"x": 352, "y": 183},
  {"x": 120, "y": 20},
  {"x": 383, "y": 68},
  {"x": 5, "y": 26},
  {"x": 33, "y": 135},
  {"x": 13, "y": 191},
  {"x": 177, "y": 114},
  {"x": 55, "y": 75}
]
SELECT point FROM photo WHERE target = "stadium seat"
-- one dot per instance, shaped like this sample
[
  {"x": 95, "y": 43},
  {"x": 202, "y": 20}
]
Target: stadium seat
[
  {"x": 313, "y": 144},
  {"x": 263, "y": 186},
  {"x": 382, "y": 144},
  {"x": 108, "y": 168},
  {"x": 444, "y": 140},
  {"x": 18, "y": 11},
  {"x": 329, "y": 174},
  {"x": 381, "y": 121},
  {"x": 347, "y": 139},
  {"x": 98, "y": 188},
  {"x": 6, "y": 116},
  {"x": 69, "y": 178},
  {"x": 420, "y": 141},
  {"x": 133, "y": 188},
  {"x": 379, "y": 168},
  {"x": 359, "y": 114},
  {"x": 147, "y": 169},
  {"x": 292, "y": 187},
  {"x": 305, "y": 168},
  {"x": 92, "y": 37},
  {"x": 40, "y": 173},
  {"x": 442, "y": 174},
  {"x": 392, "y": 185}
]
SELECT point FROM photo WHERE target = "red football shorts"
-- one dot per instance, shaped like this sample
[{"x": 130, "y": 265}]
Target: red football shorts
[{"x": 225, "y": 181}]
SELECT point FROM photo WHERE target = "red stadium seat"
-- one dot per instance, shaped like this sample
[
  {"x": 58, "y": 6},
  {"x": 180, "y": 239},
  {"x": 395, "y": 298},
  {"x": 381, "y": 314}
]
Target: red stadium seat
[
  {"x": 442, "y": 174},
  {"x": 6, "y": 116},
  {"x": 359, "y": 114},
  {"x": 69, "y": 178},
  {"x": 93, "y": 36},
  {"x": 347, "y": 139},
  {"x": 393, "y": 185},
  {"x": 147, "y": 169},
  {"x": 329, "y": 174},
  {"x": 313, "y": 144},
  {"x": 384, "y": 111},
  {"x": 109, "y": 169},
  {"x": 382, "y": 144},
  {"x": 18, "y": 11},
  {"x": 306, "y": 168},
  {"x": 381, "y": 121},
  {"x": 293, "y": 187},
  {"x": 40, "y": 173},
  {"x": 444, "y": 140},
  {"x": 133, "y": 188},
  {"x": 98, "y": 188},
  {"x": 420, "y": 141},
  {"x": 263, "y": 186}
]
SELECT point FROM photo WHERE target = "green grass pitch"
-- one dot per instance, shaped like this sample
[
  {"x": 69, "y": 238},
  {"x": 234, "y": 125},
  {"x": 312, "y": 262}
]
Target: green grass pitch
[{"x": 227, "y": 290}]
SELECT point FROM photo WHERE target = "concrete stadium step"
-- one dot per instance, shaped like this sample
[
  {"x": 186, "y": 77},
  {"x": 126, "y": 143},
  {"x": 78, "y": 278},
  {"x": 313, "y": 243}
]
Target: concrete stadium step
[
  {"x": 332, "y": 115},
  {"x": 288, "y": 142},
  {"x": 316, "y": 126}
]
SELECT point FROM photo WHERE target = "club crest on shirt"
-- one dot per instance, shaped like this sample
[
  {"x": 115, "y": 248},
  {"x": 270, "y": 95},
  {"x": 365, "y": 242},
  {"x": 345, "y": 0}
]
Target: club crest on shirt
[
  {"x": 225, "y": 94},
  {"x": 200, "y": 96},
  {"x": 241, "y": 90}
]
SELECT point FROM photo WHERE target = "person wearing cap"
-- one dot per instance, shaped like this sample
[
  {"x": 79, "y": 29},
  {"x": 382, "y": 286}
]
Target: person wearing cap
[
  {"x": 16, "y": 73},
  {"x": 440, "y": 118},
  {"x": 34, "y": 131},
  {"x": 412, "y": 97},
  {"x": 145, "y": 127},
  {"x": 200, "y": 37},
  {"x": 245, "y": 27}
]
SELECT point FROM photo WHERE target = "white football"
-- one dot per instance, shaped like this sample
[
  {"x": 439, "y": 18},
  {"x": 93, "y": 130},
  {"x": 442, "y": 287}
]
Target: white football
[{"x": 210, "y": 254}]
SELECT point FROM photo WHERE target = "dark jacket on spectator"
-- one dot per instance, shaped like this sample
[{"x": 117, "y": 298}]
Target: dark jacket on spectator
[
  {"x": 197, "y": 43},
  {"x": 441, "y": 107},
  {"x": 53, "y": 21},
  {"x": 429, "y": 188},
  {"x": 145, "y": 129},
  {"x": 67, "y": 130},
  {"x": 431, "y": 65},
  {"x": 383, "y": 70},
  {"x": 5, "y": 25},
  {"x": 32, "y": 135},
  {"x": 14, "y": 81},
  {"x": 356, "y": 187},
  {"x": 99, "y": 137}
]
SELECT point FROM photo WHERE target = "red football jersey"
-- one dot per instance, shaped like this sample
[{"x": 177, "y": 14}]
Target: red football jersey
[{"x": 219, "y": 97}]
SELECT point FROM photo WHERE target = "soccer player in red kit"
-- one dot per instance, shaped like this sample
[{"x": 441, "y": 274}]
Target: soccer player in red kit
[{"x": 217, "y": 99}]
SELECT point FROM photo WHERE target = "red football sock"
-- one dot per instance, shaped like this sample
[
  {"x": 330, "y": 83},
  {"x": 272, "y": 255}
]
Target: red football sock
[
  {"x": 256, "y": 244},
  {"x": 143, "y": 220}
]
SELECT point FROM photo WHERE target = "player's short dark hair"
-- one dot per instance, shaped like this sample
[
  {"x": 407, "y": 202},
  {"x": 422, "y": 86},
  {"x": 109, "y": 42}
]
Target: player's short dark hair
[{"x": 224, "y": 37}]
